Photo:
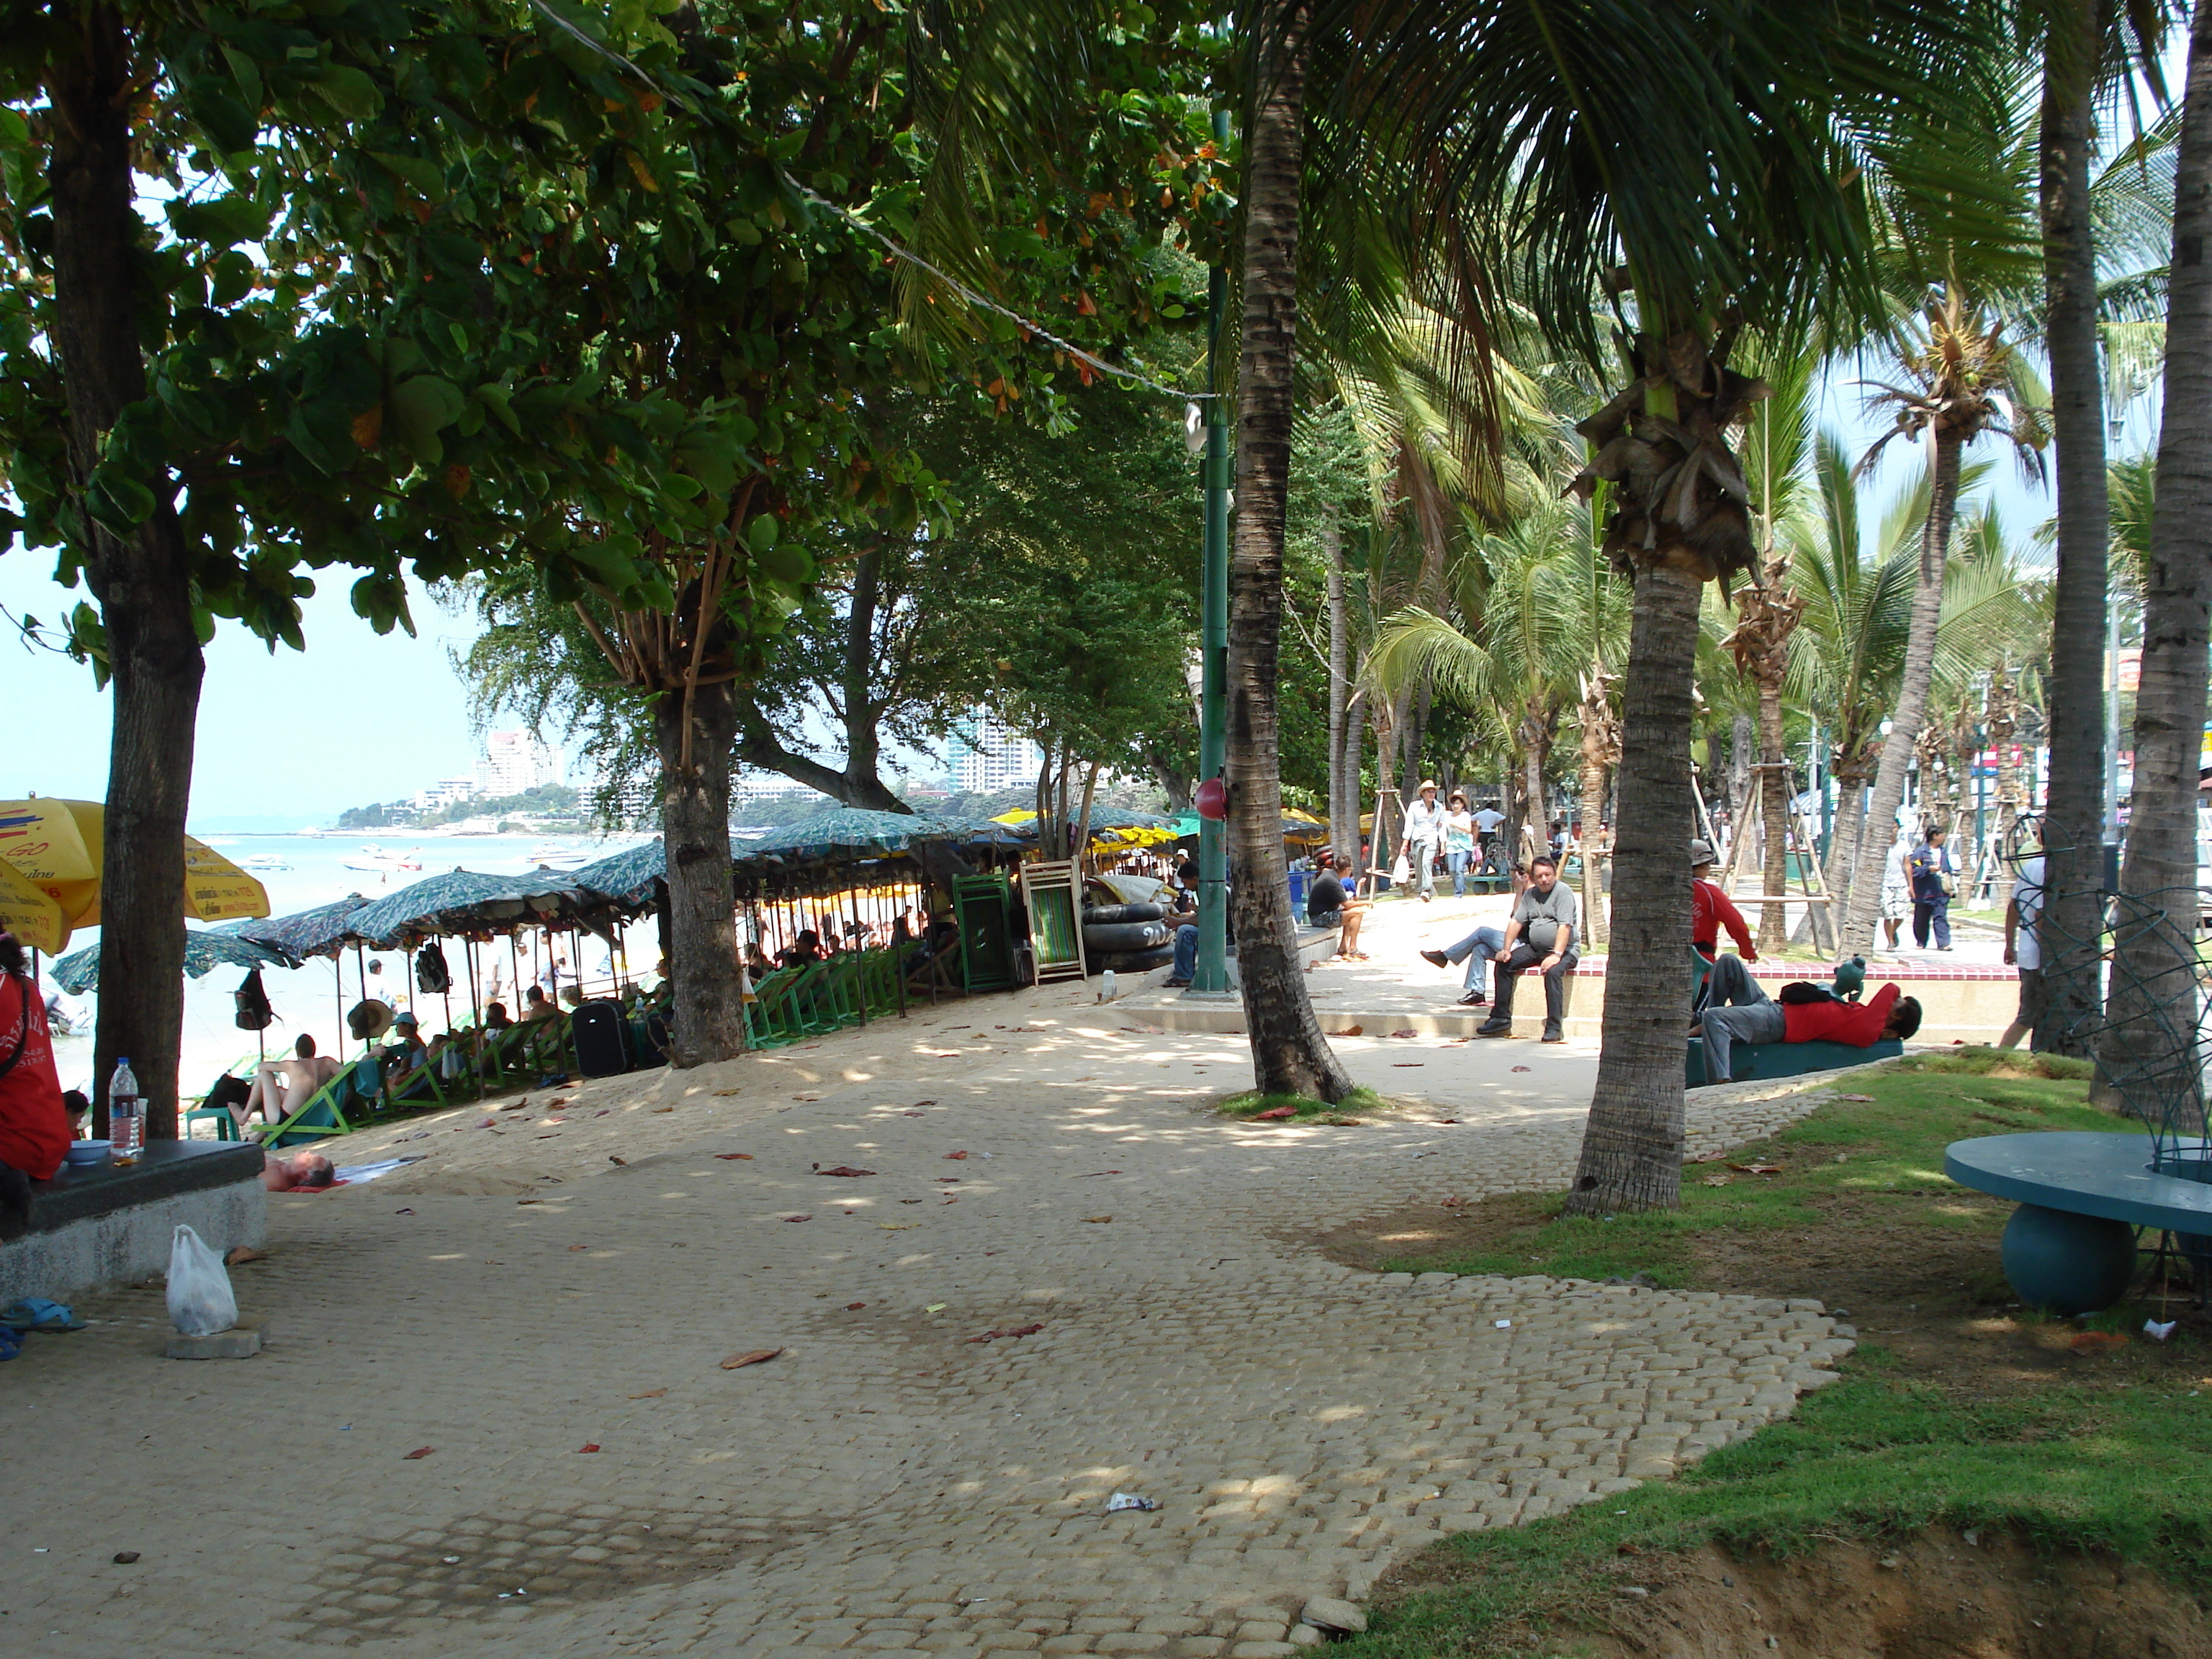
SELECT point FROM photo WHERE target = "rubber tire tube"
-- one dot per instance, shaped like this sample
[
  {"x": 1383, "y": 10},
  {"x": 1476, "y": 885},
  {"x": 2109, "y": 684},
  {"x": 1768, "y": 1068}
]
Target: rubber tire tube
[
  {"x": 1123, "y": 935},
  {"x": 1131, "y": 962},
  {"x": 1105, "y": 915}
]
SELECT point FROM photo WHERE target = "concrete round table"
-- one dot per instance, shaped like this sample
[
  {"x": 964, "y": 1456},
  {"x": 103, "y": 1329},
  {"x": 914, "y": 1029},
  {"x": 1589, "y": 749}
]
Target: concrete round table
[{"x": 2070, "y": 1247}]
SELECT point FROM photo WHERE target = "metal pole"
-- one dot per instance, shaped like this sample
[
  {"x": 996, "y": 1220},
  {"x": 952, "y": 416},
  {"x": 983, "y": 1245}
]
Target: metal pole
[{"x": 1211, "y": 976}]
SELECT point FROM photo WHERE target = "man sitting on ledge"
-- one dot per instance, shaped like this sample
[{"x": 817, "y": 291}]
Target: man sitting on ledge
[{"x": 1818, "y": 1018}]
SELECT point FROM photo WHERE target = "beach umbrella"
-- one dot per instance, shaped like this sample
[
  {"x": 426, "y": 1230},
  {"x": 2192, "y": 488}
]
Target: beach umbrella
[
  {"x": 887, "y": 832},
  {"x": 626, "y": 877},
  {"x": 56, "y": 845},
  {"x": 441, "y": 903},
  {"x": 206, "y": 949},
  {"x": 1020, "y": 815},
  {"x": 29, "y": 914},
  {"x": 321, "y": 932}
]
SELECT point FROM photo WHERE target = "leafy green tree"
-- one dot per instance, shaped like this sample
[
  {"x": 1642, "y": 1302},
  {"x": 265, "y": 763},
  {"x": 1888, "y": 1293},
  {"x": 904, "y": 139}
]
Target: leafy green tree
[{"x": 284, "y": 368}]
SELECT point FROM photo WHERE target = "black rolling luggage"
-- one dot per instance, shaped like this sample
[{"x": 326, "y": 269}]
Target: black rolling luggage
[{"x": 602, "y": 1036}]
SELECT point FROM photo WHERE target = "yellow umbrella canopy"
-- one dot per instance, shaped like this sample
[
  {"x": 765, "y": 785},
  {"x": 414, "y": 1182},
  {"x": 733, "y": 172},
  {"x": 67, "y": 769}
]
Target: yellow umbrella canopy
[
  {"x": 55, "y": 846},
  {"x": 29, "y": 914}
]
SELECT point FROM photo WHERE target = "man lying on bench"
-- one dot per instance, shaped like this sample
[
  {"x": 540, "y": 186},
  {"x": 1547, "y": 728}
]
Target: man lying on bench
[{"x": 1807, "y": 1013}]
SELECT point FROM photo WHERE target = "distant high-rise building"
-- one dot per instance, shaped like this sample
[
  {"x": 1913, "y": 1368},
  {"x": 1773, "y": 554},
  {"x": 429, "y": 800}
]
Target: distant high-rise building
[
  {"x": 987, "y": 756},
  {"x": 752, "y": 786},
  {"x": 513, "y": 763}
]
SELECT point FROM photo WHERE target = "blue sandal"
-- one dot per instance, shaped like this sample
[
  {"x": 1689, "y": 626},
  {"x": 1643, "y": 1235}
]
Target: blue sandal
[
  {"x": 11, "y": 1343},
  {"x": 36, "y": 1312}
]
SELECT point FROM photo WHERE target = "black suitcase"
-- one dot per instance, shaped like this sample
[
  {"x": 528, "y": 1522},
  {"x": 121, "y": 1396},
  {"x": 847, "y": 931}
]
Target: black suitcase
[{"x": 601, "y": 1034}]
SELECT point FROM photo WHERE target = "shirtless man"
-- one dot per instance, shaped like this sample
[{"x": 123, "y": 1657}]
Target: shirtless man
[{"x": 281, "y": 1087}]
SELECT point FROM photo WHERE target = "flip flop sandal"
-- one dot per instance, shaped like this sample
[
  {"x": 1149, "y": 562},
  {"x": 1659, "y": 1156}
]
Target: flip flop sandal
[
  {"x": 11, "y": 1343},
  {"x": 36, "y": 1312}
]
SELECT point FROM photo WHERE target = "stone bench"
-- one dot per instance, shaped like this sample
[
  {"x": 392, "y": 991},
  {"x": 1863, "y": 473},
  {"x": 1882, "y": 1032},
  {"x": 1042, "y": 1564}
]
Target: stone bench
[{"x": 108, "y": 1224}]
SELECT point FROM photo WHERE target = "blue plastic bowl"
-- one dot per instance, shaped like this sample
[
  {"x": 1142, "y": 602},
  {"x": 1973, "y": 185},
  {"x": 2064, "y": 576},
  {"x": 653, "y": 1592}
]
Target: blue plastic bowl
[{"x": 83, "y": 1153}]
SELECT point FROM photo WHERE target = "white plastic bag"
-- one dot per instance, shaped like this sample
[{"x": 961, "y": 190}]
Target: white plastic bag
[
  {"x": 201, "y": 1303},
  {"x": 1403, "y": 871}
]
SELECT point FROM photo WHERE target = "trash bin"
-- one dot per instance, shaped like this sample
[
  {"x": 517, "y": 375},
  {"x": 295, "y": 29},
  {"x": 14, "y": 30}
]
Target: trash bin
[{"x": 1299, "y": 880}]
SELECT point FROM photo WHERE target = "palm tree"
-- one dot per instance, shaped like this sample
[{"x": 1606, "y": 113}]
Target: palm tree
[
  {"x": 1962, "y": 379},
  {"x": 2155, "y": 960}
]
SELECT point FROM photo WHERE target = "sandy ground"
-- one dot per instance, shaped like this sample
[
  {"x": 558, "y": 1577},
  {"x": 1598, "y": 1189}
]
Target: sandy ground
[{"x": 976, "y": 1352}]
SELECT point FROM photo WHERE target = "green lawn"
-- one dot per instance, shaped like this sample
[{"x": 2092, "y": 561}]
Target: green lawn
[{"x": 2119, "y": 1458}]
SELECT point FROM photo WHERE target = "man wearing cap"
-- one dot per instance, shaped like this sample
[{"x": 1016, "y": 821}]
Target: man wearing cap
[{"x": 1425, "y": 836}]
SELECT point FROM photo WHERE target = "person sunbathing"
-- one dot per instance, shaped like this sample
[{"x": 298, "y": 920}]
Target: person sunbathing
[
  {"x": 280, "y": 1088},
  {"x": 296, "y": 1172},
  {"x": 1819, "y": 1017}
]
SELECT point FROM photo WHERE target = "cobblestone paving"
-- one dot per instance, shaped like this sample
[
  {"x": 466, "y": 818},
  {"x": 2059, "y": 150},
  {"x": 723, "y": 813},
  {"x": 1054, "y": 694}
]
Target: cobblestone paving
[{"x": 892, "y": 1482}]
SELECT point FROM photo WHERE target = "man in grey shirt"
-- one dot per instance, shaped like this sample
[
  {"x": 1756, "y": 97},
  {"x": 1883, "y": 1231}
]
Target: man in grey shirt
[{"x": 1542, "y": 935}]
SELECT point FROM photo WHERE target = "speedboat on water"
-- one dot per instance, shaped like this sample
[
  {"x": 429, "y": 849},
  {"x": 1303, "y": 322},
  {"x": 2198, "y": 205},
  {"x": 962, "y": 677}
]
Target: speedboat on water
[
  {"x": 546, "y": 856},
  {"x": 373, "y": 857},
  {"x": 263, "y": 862}
]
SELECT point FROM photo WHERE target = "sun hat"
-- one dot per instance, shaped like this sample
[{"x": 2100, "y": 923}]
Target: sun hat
[
  {"x": 405, "y": 1019},
  {"x": 1701, "y": 852},
  {"x": 1428, "y": 786},
  {"x": 369, "y": 1020}
]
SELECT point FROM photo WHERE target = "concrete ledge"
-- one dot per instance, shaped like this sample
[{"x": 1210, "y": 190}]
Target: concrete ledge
[
  {"x": 1957, "y": 1006},
  {"x": 128, "y": 1245}
]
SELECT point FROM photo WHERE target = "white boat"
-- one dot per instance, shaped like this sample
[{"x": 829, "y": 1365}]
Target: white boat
[
  {"x": 546, "y": 856},
  {"x": 263, "y": 862},
  {"x": 373, "y": 857}
]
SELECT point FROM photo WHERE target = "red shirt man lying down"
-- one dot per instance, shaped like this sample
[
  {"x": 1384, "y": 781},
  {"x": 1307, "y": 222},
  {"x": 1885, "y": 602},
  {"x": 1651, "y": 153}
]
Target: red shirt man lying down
[{"x": 1861, "y": 1024}]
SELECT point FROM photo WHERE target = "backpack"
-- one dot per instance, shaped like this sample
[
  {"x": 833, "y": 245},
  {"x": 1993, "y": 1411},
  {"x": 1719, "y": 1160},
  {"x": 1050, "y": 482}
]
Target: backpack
[
  {"x": 252, "y": 1000},
  {"x": 1800, "y": 991},
  {"x": 431, "y": 973}
]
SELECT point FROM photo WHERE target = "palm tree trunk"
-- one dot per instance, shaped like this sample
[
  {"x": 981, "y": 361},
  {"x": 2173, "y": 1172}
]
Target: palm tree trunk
[
  {"x": 1774, "y": 812},
  {"x": 1355, "y": 728},
  {"x": 143, "y": 581},
  {"x": 1290, "y": 1055},
  {"x": 2073, "y": 820},
  {"x": 1593, "y": 842},
  {"x": 1332, "y": 537},
  {"x": 1631, "y": 1153},
  {"x": 2148, "y": 1048},
  {"x": 1897, "y": 749},
  {"x": 709, "y": 1023}
]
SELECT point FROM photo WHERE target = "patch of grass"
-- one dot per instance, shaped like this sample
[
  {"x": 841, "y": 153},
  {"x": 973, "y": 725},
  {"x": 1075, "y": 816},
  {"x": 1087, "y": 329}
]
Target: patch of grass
[
  {"x": 2112, "y": 1465},
  {"x": 1304, "y": 1108},
  {"x": 1888, "y": 1150},
  {"x": 2129, "y": 1471}
]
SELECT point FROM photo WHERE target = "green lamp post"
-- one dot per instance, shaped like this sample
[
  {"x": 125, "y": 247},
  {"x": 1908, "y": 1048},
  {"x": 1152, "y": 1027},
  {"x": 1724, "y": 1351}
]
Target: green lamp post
[{"x": 1211, "y": 976}]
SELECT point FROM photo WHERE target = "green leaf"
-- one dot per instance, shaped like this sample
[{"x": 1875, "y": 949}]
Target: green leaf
[
  {"x": 419, "y": 407},
  {"x": 787, "y": 562},
  {"x": 234, "y": 279},
  {"x": 350, "y": 91},
  {"x": 763, "y": 532}
]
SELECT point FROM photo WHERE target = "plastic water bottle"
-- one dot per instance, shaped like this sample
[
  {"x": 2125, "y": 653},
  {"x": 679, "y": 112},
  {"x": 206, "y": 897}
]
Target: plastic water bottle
[{"x": 126, "y": 1115}]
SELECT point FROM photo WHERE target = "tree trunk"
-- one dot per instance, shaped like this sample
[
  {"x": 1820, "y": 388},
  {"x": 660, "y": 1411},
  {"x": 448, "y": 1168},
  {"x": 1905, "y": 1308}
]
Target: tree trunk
[
  {"x": 1533, "y": 756},
  {"x": 1289, "y": 1054},
  {"x": 1332, "y": 541},
  {"x": 143, "y": 583},
  {"x": 1742, "y": 735},
  {"x": 2148, "y": 1052},
  {"x": 1593, "y": 786},
  {"x": 1631, "y": 1153},
  {"x": 2071, "y": 928},
  {"x": 709, "y": 1022},
  {"x": 1355, "y": 788},
  {"x": 1774, "y": 813},
  {"x": 1858, "y": 930}
]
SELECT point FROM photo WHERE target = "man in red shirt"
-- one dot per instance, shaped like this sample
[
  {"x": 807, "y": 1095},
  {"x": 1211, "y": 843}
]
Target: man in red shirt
[
  {"x": 1858, "y": 1025},
  {"x": 34, "y": 1129},
  {"x": 1711, "y": 910}
]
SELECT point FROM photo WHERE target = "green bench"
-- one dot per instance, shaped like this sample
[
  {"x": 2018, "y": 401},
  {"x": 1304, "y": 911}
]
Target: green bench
[{"x": 1761, "y": 1062}]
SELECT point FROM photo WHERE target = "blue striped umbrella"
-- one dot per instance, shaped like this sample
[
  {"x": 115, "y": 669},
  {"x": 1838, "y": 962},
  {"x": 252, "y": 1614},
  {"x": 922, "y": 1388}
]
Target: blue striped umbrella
[{"x": 206, "y": 949}]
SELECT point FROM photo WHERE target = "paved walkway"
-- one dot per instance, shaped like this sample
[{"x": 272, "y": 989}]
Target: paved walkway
[{"x": 1104, "y": 1294}]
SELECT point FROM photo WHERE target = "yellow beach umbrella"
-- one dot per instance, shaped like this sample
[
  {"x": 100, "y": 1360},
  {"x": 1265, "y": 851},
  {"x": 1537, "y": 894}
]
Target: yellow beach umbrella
[
  {"x": 55, "y": 846},
  {"x": 1020, "y": 815},
  {"x": 29, "y": 914}
]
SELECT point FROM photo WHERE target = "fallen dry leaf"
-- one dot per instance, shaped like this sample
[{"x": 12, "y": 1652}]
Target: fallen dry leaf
[
  {"x": 1273, "y": 1113},
  {"x": 1011, "y": 1330},
  {"x": 955, "y": 1156},
  {"x": 1862, "y": 1098},
  {"x": 757, "y": 1356},
  {"x": 743, "y": 1158},
  {"x": 854, "y": 1307},
  {"x": 1408, "y": 1032},
  {"x": 1717, "y": 1179},
  {"x": 1447, "y": 1120},
  {"x": 729, "y": 1092},
  {"x": 241, "y": 1254},
  {"x": 1454, "y": 1202},
  {"x": 1758, "y": 1169},
  {"x": 522, "y": 1105},
  {"x": 890, "y": 1226},
  {"x": 419, "y": 1451},
  {"x": 650, "y": 1394},
  {"x": 1402, "y": 1064},
  {"x": 1350, "y": 1030},
  {"x": 841, "y": 1170},
  {"x": 1520, "y": 1068},
  {"x": 2097, "y": 1341},
  {"x": 589, "y": 1446},
  {"x": 799, "y": 1218},
  {"x": 924, "y": 1103},
  {"x": 664, "y": 1109},
  {"x": 528, "y": 1200},
  {"x": 573, "y": 1247},
  {"x": 1098, "y": 1217}
]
